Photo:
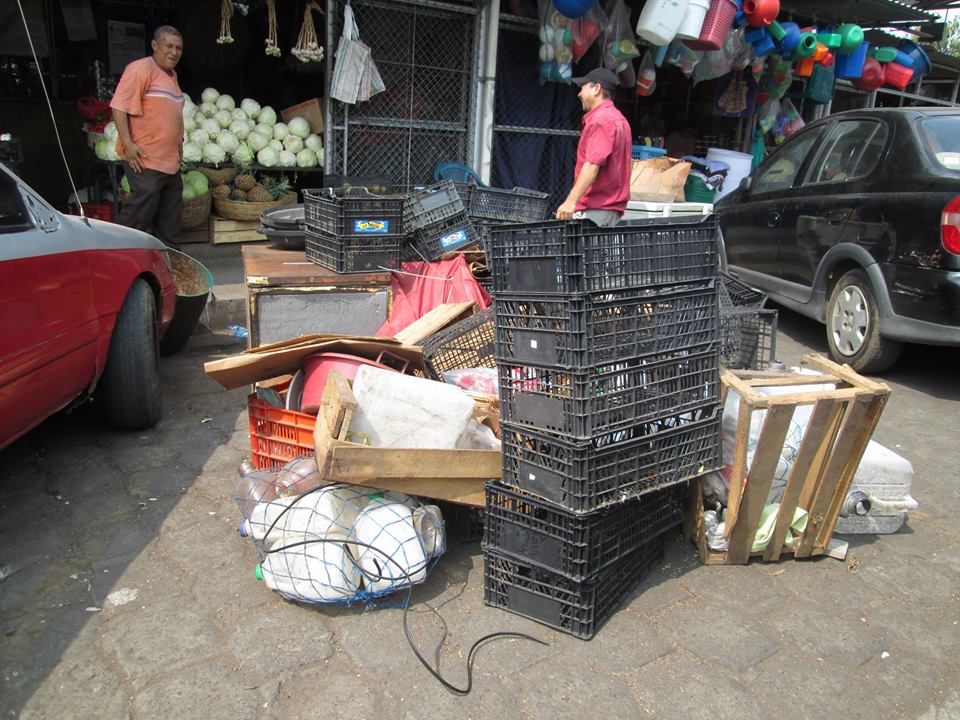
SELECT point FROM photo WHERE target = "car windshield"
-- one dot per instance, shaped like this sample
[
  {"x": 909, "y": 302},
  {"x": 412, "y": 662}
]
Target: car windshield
[{"x": 941, "y": 138}]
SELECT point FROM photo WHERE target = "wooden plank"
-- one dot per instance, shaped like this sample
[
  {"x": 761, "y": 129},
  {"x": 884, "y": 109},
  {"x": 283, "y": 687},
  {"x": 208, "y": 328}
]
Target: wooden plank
[
  {"x": 846, "y": 373},
  {"x": 194, "y": 235},
  {"x": 865, "y": 431},
  {"x": 437, "y": 319},
  {"x": 759, "y": 479},
  {"x": 463, "y": 491},
  {"x": 219, "y": 224},
  {"x": 738, "y": 468},
  {"x": 835, "y": 474},
  {"x": 266, "y": 266},
  {"x": 808, "y": 398},
  {"x": 817, "y": 438},
  {"x": 743, "y": 389},
  {"x": 790, "y": 380},
  {"x": 362, "y": 463}
]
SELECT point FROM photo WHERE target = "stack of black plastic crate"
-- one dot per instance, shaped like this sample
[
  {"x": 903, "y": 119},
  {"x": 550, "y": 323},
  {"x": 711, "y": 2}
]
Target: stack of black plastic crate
[{"x": 608, "y": 364}]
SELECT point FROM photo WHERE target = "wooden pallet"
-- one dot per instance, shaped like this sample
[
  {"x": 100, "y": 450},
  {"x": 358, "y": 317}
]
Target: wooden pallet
[
  {"x": 842, "y": 422},
  {"x": 232, "y": 231},
  {"x": 195, "y": 235}
]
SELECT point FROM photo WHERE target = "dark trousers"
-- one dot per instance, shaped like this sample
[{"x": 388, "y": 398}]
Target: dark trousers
[{"x": 154, "y": 203}]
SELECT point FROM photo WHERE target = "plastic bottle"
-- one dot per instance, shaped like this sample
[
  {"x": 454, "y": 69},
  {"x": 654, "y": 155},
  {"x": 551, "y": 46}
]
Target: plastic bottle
[
  {"x": 314, "y": 572},
  {"x": 388, "y": 527},
  {"x": 329, "y": 510},
  {"x": 256, "y": 486}
]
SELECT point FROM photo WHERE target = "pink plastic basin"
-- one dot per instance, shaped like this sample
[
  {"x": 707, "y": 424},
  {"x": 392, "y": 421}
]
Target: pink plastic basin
[{"x": 317, "y": 367}]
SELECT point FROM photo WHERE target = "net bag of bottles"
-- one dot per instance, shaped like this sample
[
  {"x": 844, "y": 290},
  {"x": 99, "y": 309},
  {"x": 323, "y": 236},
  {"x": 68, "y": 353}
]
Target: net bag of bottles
[{"x": 336, "y": 543}]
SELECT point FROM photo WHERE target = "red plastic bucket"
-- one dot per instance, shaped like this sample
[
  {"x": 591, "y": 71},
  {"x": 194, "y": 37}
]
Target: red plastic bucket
[
  {"x": 316, "y": 368},
  {"x": 716, "y": 26}
]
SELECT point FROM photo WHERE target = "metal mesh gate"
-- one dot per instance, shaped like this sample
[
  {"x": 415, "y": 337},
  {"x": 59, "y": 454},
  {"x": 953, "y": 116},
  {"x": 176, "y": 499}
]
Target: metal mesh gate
[
  {"x": 426, "y": 53},
  {"x": 536, "y": 127}
]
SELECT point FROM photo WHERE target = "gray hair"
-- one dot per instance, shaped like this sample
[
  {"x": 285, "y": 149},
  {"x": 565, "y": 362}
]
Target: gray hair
[{"x": 166, "y": 30}]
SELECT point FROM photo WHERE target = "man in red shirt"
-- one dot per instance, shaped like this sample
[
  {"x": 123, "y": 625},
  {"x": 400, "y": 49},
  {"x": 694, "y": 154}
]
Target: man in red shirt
[
  {"x": 601, "y": 186},
  {"x": 148, "y": 111}
]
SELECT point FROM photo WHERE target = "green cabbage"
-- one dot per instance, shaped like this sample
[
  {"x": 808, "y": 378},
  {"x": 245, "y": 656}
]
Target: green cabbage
[
  {"x": 299, "y": 126},
  {"x": 250, "y": 107},
  {"x": 200, "y": 137},
  {"x": 208, "y": 109},
  {"x": 293, "y": 144},
  {"x": 210, "y": 126},
  {"x": 209, "y": 95},
  {"x": 228, "y": 141},
  {"x": 226, "y": 102},
  {"x": 191, "y": 152},
  {"x": 306, "y": 158},
  {"x": 110, "y": 131},
  {"x": 257, "y": 141},
  {"x": 197, "y": 180},
  {"x": 213, "y": 153},
  {"x": 276, "y": 145},
  {"x": 243, "y": 155},
  {"x": 287, "y": 159},
  {"x": 280, "y": 131},
  {"x": 240, "y": 128},
  {"x": 224, "y": 118},
  {"x": 267, "y": 157},
  {"x": 314, "y": 142},
  {"x": 267, "y": 116}
]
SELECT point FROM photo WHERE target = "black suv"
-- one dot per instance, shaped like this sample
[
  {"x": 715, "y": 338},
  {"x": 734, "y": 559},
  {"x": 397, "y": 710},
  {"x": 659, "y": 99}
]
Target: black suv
[{"x": 855, "y": 222}]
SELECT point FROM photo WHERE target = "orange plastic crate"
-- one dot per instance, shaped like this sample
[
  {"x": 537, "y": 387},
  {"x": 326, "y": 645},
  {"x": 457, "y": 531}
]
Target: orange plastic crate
[{"x": 277, "y": 435}]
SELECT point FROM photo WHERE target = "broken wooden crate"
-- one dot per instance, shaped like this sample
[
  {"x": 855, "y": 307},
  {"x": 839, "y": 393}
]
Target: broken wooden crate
[
  {"x": 453, "y": 475},
  {"x": 841, "y": 424}
]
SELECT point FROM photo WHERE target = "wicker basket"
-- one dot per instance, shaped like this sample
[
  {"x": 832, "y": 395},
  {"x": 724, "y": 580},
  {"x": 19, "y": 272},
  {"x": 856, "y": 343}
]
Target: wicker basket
[
  {"x": 245, "y": 210},
  {"x": 195, "y": 211}
]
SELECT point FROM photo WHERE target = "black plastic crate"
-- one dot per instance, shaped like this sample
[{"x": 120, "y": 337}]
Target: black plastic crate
[
  {"x": 464, "y": 522},
  {"x": 734, "y": 293},
  {"x": 353, "y": 253},
  {"x": 600, "y": 400},
  {"x": 433, "y": 241},
  {"x": 577, "y": 608},
  {"x": 586, "y": 475},
  {"x": 353, "y": 212},
  {"x": 561, "y": 257},
  {"x": 518, "y": 205},
  {"x": 484, "y": 228},
  {"x": 466, "y": 344},
  {"x": 465, "y": 192},
  {"x": 586, "y": 331},
  {"x": 432, "y": 205},
  {"x": 748, "y": 338},
  {"x": 575, "y": 546}
]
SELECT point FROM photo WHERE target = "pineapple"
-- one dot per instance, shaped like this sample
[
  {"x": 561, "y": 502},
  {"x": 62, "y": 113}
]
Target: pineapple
[
  {"x": 277, "y": 188},
  {"x": 221, "y": 191},
  {"x": 258, "y": 193},
  {"x": 219, "y": 176},
  {"x": 236, "y": 194},
  {"x": 245, "y": 181}
]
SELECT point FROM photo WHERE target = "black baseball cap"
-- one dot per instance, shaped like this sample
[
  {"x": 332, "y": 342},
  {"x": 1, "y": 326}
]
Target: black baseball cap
[{"x": 606, "y": 78}]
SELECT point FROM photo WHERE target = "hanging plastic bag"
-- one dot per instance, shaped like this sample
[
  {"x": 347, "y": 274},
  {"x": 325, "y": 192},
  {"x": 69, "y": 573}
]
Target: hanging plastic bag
[
  {"x": 768, "y": 115},
  {"x": 556, "y": 40},
  {"x": 778, "y": 78},
  {"x": 586, "y": 29},
  {"x": 735, "y": 54},
  {"x": 679, "y": 55},
  {"x": 788, "y": 122},
  {"x": 355, "y": 75},
  {"x": 647, "y": 75},
  {"x": 619, "y": 48}
]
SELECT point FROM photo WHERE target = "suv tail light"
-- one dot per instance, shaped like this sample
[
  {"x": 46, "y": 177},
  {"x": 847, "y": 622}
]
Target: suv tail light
[{"x": 950, "y": 227}]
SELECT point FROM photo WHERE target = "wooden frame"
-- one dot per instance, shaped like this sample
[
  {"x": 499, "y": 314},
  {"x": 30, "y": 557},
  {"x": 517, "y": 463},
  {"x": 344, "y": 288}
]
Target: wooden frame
[
  {"x": 819, "y": 480},
  {"x": 453, "y": 475}
]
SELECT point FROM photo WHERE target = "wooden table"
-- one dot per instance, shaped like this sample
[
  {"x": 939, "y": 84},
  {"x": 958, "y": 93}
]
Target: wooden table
[{"x": 288, "y": 296}]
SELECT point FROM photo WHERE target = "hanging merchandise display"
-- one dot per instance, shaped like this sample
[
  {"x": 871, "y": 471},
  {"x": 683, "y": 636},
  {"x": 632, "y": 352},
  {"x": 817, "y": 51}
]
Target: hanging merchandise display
[
  {"x": 586, "y": 30},
  {"x": 619, "y": 48},
  {"x": 735, "y": 54},
  {"x": 574, "y": 9},
  {"x": 556, "y": 44},
  {"x": 693, "y": 21},
  {"x": 760, "y": 13},
  {"x": 355, "y": 74},
  {"x": 716, "y": 25},
  {"x": 226, "y": 15},
  {"x": 646, "y": 76},
  {"x": 308, "y": 48}
]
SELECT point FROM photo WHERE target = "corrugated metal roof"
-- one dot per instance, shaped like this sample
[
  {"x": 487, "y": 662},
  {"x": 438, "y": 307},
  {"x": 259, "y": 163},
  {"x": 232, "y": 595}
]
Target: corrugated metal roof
[{"x": 864, "y": 12}]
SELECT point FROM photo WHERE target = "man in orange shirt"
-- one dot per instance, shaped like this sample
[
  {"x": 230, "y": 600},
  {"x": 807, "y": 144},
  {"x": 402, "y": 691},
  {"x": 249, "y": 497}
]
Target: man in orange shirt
[{"x": 148, "y": 111}]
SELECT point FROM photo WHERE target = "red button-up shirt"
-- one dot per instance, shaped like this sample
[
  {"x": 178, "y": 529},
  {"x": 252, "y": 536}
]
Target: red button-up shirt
[{"x": 605, "y": 141}]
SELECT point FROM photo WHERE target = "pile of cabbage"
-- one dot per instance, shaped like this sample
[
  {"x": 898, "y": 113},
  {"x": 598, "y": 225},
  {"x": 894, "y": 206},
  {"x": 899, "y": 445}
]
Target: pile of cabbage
[{"x": 217, "y": 131}]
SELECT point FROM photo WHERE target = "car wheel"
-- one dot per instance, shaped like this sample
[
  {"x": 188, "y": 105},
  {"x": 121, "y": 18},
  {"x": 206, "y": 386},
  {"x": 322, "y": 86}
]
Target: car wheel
[
  {"x": 129, "y": 391},
  {"x": 853, "y": 327}
]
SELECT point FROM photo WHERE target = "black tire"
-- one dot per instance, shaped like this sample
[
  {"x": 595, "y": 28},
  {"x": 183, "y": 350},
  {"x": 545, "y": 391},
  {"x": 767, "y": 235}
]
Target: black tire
[
  {"x": 129, "y": 391},
  {"x": 853, "y": 326}
]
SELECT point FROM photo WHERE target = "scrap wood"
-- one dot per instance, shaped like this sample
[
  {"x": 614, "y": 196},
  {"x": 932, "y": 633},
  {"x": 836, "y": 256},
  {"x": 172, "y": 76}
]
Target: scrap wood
[{"x": 442, "y": 316}]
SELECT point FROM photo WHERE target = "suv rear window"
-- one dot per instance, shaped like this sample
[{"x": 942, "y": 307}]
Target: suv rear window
[{"x": 941, "y": 137}]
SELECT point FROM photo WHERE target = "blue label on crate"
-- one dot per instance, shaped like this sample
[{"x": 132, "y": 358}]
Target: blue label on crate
[
  {"x": 371, "y": 227},
  {"x": 457, "y": 237}
]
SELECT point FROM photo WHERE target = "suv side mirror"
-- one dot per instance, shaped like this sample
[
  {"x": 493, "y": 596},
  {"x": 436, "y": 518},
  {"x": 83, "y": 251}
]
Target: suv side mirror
[{"x": 746, "y": 184}]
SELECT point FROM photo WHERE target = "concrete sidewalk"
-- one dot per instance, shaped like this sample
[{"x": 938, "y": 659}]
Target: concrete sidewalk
[{"x": 132, "y": 595}]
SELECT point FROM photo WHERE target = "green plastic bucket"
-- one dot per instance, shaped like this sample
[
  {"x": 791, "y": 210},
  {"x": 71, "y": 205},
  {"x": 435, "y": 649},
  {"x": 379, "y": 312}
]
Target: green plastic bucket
[{"x": 696, "y": 190}]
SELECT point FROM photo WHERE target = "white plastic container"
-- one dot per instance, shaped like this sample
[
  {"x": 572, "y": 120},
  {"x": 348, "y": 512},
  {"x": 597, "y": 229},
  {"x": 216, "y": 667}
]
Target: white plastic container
[
  {"x": 315, "y": 572},
  {"x": 693, "y": 21},
  {"x": 402, "y": 411},
  {"x": 660, "y": 19},
  {"x": 397, "y": 557},
  {"x": 328, "y": 511},
  {"x": 740, "y": 166}
]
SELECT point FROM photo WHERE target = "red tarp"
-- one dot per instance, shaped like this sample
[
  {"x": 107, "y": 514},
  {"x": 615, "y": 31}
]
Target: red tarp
[{"x": 421, "y": 286}]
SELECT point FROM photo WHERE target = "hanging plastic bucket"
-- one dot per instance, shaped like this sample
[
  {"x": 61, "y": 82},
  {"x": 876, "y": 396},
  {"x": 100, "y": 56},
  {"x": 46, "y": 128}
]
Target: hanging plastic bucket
[
  {"x": 921, "y": 62},
  {"x": 872, "y": 76},
  {"x": 897, "y": 75},
  {"x": 850, "y": 67},
  {"x": 740, "y": 164},
  {"x": 716, "y": 26},
  {"x": 692, "y": 24},
  {"x": 660, "y": 19},
  {"x": 194, "y": 283}
]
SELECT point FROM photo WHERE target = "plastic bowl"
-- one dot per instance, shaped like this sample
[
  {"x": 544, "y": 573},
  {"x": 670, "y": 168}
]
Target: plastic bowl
[{"x": 316, "y": 367}]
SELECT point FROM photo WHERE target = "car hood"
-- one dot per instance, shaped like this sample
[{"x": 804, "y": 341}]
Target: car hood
[{"x": 109, "y": 236}]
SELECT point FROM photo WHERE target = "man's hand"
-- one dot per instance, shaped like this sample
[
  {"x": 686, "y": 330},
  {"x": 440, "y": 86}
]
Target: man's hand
[
  {"x": 566, "y": 210},
  {"x": 134, "y": 156}
]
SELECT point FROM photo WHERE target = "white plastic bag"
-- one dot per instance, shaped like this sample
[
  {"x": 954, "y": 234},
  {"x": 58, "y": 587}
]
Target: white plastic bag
[{"x": 355, "y": 75}]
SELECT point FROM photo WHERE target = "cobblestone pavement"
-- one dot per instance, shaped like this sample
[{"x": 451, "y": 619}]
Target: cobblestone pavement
[{"x": 132, "y": 595}]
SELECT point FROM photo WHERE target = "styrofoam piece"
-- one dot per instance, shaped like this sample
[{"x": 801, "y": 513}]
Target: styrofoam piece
[{"x": 402, "y": 411}]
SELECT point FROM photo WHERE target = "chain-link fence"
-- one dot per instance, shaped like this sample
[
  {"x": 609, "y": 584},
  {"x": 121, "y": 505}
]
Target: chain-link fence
[
  {"x": 427, "y": 55},
  {"x": 536, "y": 127}
]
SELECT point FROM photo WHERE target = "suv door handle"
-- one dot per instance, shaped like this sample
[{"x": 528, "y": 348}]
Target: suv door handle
[{"x": 773, "y": 219}]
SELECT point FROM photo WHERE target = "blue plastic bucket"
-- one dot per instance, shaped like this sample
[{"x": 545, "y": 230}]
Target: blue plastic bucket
[
  {"x": 850, "y": 67},
  {"x": 921, "y": 62}
]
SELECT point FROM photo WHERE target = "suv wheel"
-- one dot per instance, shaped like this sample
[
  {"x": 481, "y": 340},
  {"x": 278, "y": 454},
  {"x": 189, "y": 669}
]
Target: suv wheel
[
  {"x": 129, "y": 390},
  {"x": 853, "y": 327}
]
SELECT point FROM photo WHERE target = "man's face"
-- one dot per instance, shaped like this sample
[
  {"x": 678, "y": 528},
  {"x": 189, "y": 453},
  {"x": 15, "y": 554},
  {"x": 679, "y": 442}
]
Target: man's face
[
  {"x": 590, "y": 95},
  {"x": 167, "y": 51}
]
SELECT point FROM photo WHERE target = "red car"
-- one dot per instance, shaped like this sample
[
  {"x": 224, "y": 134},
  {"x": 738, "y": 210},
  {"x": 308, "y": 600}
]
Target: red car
[{"x": 83, "y": 306}]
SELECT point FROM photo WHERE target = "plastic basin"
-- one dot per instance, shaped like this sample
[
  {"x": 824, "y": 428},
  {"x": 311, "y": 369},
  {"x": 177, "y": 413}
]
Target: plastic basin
[{"x": 316, "y": 368}]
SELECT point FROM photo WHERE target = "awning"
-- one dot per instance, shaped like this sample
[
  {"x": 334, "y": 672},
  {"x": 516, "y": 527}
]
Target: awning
[{"x": 869, "y": 14}]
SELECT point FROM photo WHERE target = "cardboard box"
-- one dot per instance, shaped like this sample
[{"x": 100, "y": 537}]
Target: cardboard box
[{"x": 312, "y": 110}]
